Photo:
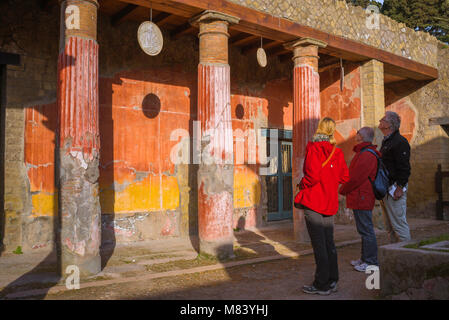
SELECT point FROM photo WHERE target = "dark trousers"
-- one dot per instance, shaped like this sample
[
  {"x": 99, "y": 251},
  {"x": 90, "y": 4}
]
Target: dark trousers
[
  {"x": 321, "y": 232},
  {"x": 364, "y": 224}
]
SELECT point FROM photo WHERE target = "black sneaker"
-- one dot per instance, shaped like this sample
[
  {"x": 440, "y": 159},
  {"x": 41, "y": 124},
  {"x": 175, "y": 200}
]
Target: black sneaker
[
  {"x": 333, "y": 286},
  {"x": 313, "y": 290}
]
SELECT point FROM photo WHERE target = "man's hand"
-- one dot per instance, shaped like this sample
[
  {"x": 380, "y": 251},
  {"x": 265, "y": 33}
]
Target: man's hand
[{"x": 398, "y": 193}]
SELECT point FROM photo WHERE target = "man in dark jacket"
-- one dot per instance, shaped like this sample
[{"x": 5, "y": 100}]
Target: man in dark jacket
[
  {"x": 395, "y": 152},
  {"x": 360, "y": 196}
]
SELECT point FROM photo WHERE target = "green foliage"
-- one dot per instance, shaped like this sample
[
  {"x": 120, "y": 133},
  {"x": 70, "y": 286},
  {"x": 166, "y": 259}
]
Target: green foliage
[
  {"x": 444, "y": 237},
  {"x": 364, "y": 3},
  {"x": 430, "y": 15},
  {"x": 18, "y": 250}
]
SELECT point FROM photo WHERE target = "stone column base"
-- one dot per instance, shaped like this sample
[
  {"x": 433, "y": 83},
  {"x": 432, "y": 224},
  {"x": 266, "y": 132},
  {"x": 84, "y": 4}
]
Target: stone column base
[{"x": 88, "y": 266}]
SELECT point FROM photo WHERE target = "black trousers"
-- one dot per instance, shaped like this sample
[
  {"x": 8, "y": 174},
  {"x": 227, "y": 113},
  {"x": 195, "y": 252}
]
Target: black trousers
[{"x": 321, "y": 231}]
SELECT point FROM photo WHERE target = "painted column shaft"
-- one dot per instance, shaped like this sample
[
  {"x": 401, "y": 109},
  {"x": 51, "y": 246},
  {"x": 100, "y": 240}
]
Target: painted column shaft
[
  {"x": 215, "y": 177},
  {"x": 306, "y": 114},
  {"x": 79, "y": 143},
  {"x": 216, "y": 169}
]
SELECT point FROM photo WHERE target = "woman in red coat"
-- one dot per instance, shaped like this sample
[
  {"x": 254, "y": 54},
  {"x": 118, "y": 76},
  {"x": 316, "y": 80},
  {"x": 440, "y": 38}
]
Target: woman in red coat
[
  {"x": 360, "y": 196},
  {"x": 324, "y": 169}
]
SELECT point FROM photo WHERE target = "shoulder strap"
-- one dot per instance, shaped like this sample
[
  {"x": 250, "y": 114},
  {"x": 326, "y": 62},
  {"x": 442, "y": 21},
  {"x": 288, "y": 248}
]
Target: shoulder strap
[
  {"x": 377, "y": 157},
  {"x": 371, "y": 151},
  {"x": 330, "y": 156}
]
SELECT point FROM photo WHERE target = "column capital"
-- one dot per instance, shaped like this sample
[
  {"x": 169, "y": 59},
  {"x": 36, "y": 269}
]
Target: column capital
[
  {"x": 305, "y": 42},
  {"x": 95, "y": 2},
  {"x": 210, "y": 16},
  {"x": 213, "y": 34},
  {"x": 305, "y": 51}
]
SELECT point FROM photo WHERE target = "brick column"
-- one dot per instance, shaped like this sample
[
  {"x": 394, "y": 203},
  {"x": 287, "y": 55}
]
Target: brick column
[
  {"x": 373, "y": 97},
  {"x": 216, "y": 169},
  {"x": 373, "y": 109},
  {"x": 306, "y": 113},
  {"x": 79, "y": 143}
]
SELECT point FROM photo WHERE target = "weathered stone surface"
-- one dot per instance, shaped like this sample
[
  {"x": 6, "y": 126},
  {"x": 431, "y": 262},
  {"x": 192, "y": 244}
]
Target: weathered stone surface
[
  {"x": 348, "y": 21},
  {"x": 407, "y": 271},
  {"x": 36, "y": 38}
]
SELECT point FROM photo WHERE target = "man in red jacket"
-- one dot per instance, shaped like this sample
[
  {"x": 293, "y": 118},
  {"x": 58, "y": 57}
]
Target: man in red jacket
[{"x": 360, "y": 196}]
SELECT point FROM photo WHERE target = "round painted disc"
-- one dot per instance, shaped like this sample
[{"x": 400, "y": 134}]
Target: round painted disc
[
  {"x": 261, "y": 57},
  {"x": 150, "y": 38}
]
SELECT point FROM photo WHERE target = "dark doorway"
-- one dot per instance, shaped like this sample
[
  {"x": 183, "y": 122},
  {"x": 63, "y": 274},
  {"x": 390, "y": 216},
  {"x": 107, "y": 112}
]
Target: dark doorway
[{"x": 279, "y": 181}]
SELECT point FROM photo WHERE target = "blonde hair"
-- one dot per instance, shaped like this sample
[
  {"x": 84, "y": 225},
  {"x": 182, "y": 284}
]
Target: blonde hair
[{"x": 327, "y": 126}]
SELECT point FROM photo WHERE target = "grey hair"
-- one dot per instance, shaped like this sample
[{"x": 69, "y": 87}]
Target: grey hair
[
  {"x": 394, "y": 119},
  {"x": 367, "y": 134}
]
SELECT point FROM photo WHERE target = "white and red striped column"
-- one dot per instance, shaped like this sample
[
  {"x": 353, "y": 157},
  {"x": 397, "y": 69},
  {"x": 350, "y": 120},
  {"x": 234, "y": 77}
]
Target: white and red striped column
[
  {"x": 306, "y": 113},
  {"x": 79, "y": 143},
  {"x": 216, "y": 168}
]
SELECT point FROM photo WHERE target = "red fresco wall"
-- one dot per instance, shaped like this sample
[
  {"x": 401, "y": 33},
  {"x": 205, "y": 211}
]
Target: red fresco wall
[
  {"x": 138, "y": 112},
  {"x": 342, "y": 106},
  {"x": 40, "y": 127},
  {"x": 405, "y": 109}
]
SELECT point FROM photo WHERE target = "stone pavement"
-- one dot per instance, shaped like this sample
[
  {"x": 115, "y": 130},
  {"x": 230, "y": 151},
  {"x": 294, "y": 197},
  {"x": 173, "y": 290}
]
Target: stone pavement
[{"x": 268, "y": 264}]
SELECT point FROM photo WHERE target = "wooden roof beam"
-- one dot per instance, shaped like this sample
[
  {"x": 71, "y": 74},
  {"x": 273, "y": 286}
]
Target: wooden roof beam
[
  {"x": 278, "y": 51},
  {"x": 281, "y": 29},
  {"x": 245, "y": 39},
  {"x": 162, "y": 18},
  {"x": 181, "y": 30},
  {"x": 121, "y": 15},
  {"x": 265, "y": 44}
]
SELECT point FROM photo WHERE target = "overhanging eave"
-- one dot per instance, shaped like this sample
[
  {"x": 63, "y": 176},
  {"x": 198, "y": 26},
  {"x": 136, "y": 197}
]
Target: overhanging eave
[{"x": 280, "y": 29}]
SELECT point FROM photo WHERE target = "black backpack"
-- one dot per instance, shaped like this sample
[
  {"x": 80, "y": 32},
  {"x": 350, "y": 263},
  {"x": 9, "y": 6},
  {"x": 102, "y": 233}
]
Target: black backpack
[{"x": 381, "y": 183}]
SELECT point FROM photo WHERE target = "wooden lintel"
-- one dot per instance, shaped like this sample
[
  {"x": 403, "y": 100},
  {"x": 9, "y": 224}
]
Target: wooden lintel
[
  {"x": 280, "y": 29},
  {"x": 121, "y": 15}
]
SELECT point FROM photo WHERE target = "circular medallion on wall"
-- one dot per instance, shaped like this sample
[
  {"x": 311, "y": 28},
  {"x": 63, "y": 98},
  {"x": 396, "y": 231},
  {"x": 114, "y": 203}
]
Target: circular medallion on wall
[
  {"x": 261, "y": 57},
  {"x": 150, "y": 38}
]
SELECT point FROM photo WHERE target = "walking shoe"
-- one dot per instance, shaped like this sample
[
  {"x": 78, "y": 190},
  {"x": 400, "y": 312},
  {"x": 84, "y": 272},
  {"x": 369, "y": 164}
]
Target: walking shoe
[
  {"x": 356, "y": 262},
  {"x": 313, "y": 290},
  {"x": 361, "y": 267},
  {"x": 333, "y": 286},
  {"x": 364, "y": 266}
]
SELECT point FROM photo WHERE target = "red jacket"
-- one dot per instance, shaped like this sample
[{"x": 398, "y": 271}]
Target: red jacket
[
  {"x": 358, "y": 190},
  {"x": 319, "y": 186}
]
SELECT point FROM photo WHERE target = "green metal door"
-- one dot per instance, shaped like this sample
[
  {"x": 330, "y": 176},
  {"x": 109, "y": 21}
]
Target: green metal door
[{"x": 279, "y": 184}]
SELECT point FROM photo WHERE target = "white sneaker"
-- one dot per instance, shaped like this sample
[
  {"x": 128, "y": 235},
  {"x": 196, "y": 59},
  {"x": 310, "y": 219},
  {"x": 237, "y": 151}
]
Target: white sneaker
[
  {"x": 356, "y": 262},
  {"x": 364, "y": 266},
  {"x": 361, "y": 267}
]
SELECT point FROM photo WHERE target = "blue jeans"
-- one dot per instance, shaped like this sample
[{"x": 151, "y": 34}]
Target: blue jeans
[{"x": 364, "y": 224}]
